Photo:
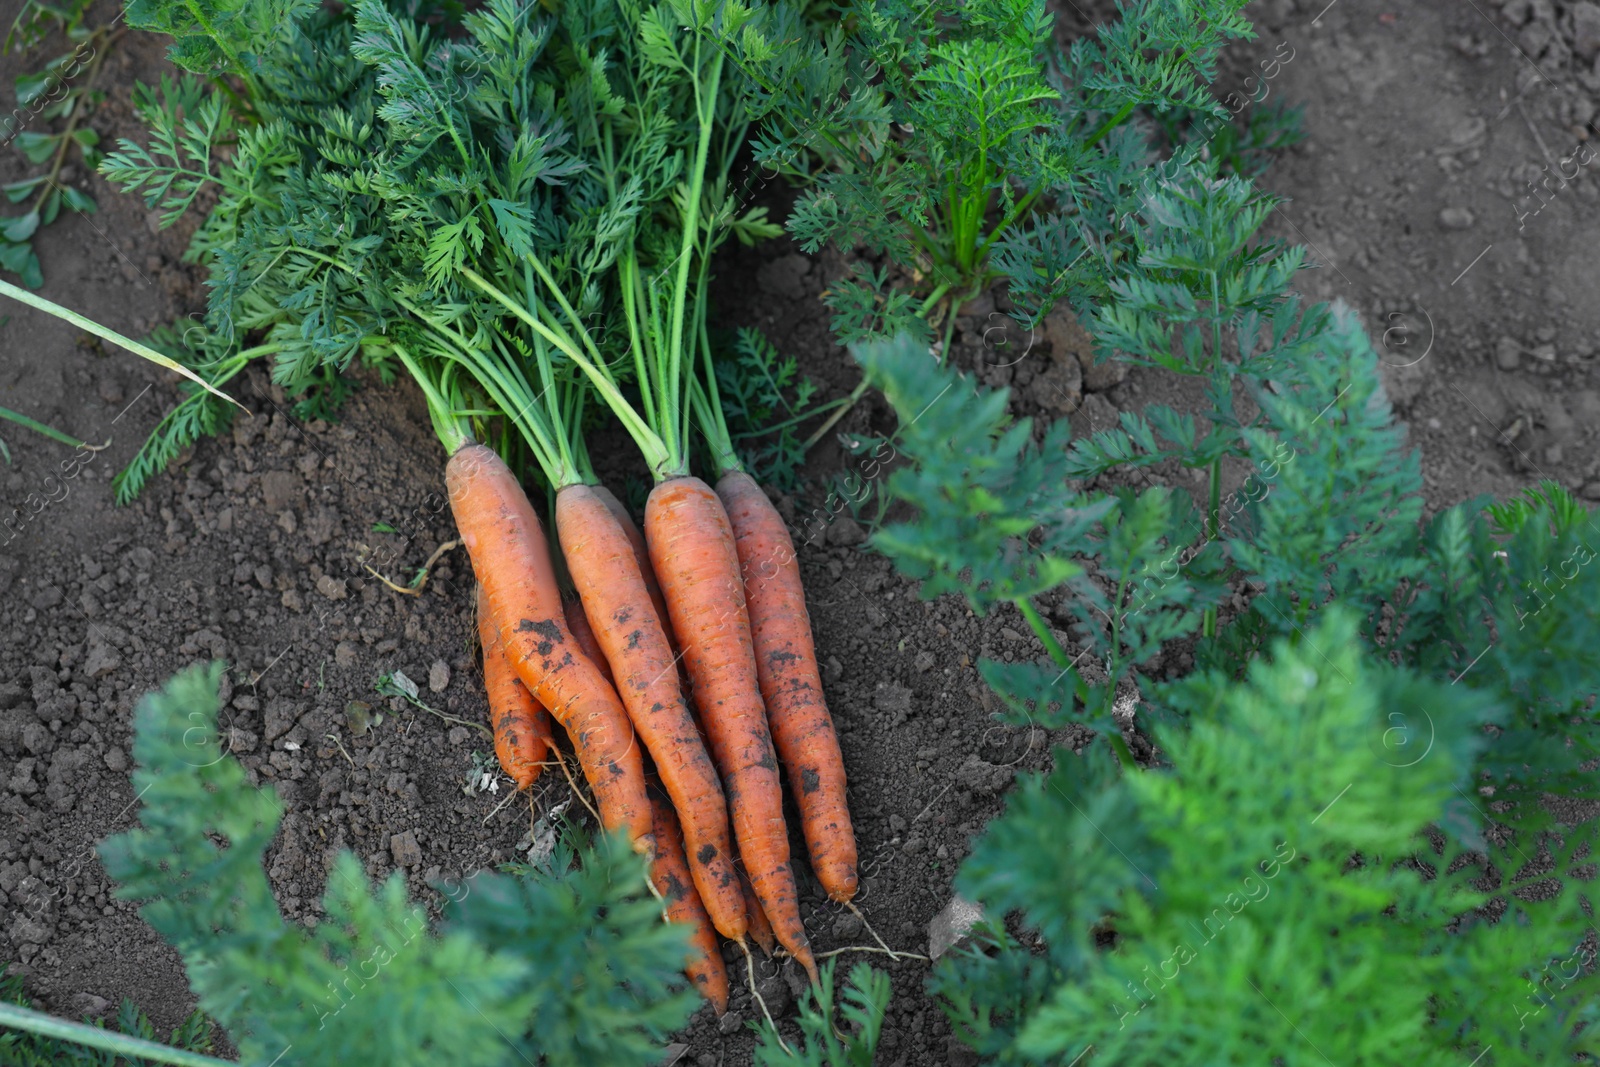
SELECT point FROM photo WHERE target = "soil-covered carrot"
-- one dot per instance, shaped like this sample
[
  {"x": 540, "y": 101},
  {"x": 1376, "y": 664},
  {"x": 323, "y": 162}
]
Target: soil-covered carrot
[
  {"x": 693, "y": 553},
  {"x": 653, "y": 587},
  {"x": 522, "y": 729},
  {"x": 583, "y": 633},
  {"x": 791, "y": 686},
  {"x": 604, "y": 568},
  {"x": 512, "y": 561},
  {"x": 760, "y": 929},
  {"x": 670, "y": 874},
  {"x": 636, "y": 539}
]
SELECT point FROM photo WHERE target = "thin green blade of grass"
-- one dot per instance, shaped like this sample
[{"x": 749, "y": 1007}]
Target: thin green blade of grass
[
  {"x": 38, "y": 1022},
  {"x": 105, "y": 334},
  {"x": 38, "y": 427}
]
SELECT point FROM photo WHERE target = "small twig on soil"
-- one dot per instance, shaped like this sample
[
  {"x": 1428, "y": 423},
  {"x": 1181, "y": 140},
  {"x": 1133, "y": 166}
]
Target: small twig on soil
[
  {"x": 79, "y": 108},
  {"x": 426, "y": 573},
  {"x": 833, "y": 420},
  {"x": 340, "y": 746},
  {"x": 255, "y": 679},
  {"x": 452, "y": 718},
  {"x": 1548, "y": 158}
]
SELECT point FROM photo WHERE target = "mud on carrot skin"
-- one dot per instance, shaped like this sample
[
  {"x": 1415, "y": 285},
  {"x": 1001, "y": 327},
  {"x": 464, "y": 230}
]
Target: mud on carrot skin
[{"x": 682, "y": 904}]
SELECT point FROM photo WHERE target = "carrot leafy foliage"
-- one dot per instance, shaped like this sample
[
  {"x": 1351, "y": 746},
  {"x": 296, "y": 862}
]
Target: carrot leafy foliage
[
  {"x": 1328, "y": 848},
  {"x": 569, "y": 964}
]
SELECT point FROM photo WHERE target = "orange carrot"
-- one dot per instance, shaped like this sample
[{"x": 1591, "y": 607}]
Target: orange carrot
[
  {"x": 606, "y": 572},
  {"x": 694, "y": 557},
  {"x": 522, "y": 730},
  {"x": 670, "y": 873},
  {"x": 760, "y": 929},
  {"x": 636, "y": 540},
  {"x": 786, "y": 661},
  {"x": 512, "y": 561},
  {"x": 583, "y": 633}
]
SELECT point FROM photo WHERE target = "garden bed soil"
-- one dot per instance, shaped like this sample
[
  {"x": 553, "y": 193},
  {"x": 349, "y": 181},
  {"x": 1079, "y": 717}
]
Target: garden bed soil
[{"x": 1423, "y": 123}]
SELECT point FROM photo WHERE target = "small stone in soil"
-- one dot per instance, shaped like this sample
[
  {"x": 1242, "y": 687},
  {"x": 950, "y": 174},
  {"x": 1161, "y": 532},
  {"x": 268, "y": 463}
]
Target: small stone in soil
[
  {"x": 405, "y": 850},
  {"x": 439, "y": 676},
  {"x": 775, "y": 991},
  {"x": 1507, "y": 353},
  {"x": 959, "y": 1055},
  {"x": 782, "y": 276},
  {"x": 892, "y": 699},
  {"x": 846, "y": 532},
  {"x": 89, "y": 1004},
  {"x": 950, "y": 927},
  {"x": 279, "y": 489},
  {"x": 730, "y": 1023}
]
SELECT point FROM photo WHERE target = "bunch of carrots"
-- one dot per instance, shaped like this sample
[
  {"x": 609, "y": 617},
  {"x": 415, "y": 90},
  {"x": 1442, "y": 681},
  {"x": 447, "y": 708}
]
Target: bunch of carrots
[
  {"x": 710, "y": 587},
  {"x": 728, "y": 605}
]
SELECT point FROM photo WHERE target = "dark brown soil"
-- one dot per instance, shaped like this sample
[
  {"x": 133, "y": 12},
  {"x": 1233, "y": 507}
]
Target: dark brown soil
[{"x": 1423, "y": 124}]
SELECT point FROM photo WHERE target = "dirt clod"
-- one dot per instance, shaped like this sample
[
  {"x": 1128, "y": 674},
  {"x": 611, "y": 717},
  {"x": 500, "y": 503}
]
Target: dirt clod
[
  {"x": 1507, "y": 353},
  {"x": 846, "y": 532},
  {"x": 784, "y": 276},
  {"x": 893, "y": 699},
  {"x": 405, "y": 850},
  {"x": 439, "y": 676}
]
